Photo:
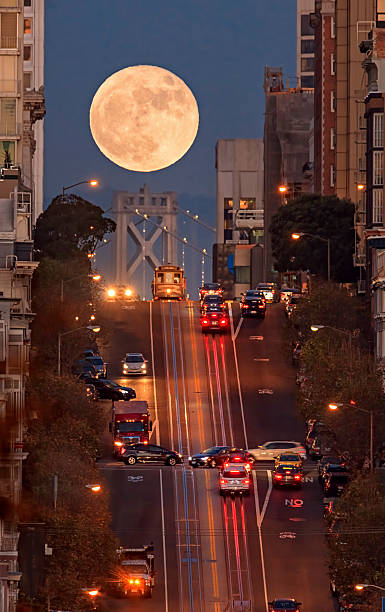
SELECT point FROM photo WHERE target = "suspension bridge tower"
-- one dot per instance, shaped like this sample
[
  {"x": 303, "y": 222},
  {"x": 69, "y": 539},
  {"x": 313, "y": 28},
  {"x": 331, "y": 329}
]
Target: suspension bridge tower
[{"x": 134, "y": 242}]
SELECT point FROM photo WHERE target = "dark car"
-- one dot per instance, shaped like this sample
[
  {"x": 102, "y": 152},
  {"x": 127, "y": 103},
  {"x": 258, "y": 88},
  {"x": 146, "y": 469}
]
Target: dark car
[
  {"x": 214, "y": 319},
  {"x": 209, "y": 288},
  {"x": 334, "y": 459},
  {"x": 287, "y": 475},
  {"x": 149, "y": 453},
  {"x": 323, "y": 444},
  {"x": 211, "y": 457},
  {"x": 82, "y": 367},
  {"x": 335, "y": 483},
  {"x": 314, "y": 429},
  {"x": 215, "y": 300},
  {"x": 98, "y": 364},
  {"x": 331, "y": 468},
  {"x": 253, "y": 304},
  {"x": 239, "y": 455},
  {"x": 289, "y": 604},
  {"x": 107, "y": 389}
]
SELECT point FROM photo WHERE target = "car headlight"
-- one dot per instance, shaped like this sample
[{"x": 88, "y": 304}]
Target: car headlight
[
  {"x": 205, "y": 458},
  {"x": 189, "y": 458},
  {"x": 125, "y": 366},
  {"x": 179, "y": 455},
  {"x": 124, "y": 391},
  {"x": 143, "y": 366}
]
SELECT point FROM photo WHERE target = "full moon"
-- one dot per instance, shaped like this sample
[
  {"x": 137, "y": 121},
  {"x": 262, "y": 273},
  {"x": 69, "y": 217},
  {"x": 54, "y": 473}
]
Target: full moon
[{"x": 144, "y": 118}]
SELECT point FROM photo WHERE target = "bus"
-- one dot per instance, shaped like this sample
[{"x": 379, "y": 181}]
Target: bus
[{"x": 169, "y": 283}]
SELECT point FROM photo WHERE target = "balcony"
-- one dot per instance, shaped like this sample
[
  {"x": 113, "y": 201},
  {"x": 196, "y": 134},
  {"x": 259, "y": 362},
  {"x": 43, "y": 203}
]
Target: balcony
[
  {"x": 10, "y": 128},
  {"x": 10, "y": 43}
]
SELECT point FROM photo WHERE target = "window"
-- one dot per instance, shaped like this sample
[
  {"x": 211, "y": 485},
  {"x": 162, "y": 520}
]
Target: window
[
  {"x": 332, "y": 176},
  {"x": 307, "y": 64},
  {"x": 378, "y": 129},
  {"x": 163, "y": 201},
  {"x": 7, "y": 153},
  {"x": 307, "y": 82},
  {"x": 307, "y": 45},
  {"x": 332, "y": 64},
  {"x": 153, "y": 201},
  {"x": 378, "y": 202},
  {"x": 8, "y": 116},
  {"x": 306, "y": 29},
  {"x": 27, "y": 80},
  {"x": 27, "y": 53},
  {"x": 332, "y": 138},
  {"x": 27, "y": 26},
  {"x": 380, "y": 12},
  {"x": 378, "y": 171},
  {"x": 333, "y": 27},
  {"x": 242, "y": 275},
  {"x": 27, "y": 2},
  {"x": 333, "y": 103},
  {"x": 8, "y": 38}
]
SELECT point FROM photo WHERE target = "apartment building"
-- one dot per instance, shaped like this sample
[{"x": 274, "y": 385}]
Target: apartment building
[
  {"x": 325, "y": 136},
  {"x": 305, "y": 44},
  {"x": 240, "y": 225},
  {"x": 19, "y": 111}
]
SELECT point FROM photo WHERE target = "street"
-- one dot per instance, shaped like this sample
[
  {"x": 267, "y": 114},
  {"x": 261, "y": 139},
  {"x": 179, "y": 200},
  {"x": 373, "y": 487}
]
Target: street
[{"x": 213, "y": 553}]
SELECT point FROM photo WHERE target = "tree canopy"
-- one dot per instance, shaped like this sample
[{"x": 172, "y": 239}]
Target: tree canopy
[
  {"x": 70, "y": 225},
  {"x": 327, "y": 217}
]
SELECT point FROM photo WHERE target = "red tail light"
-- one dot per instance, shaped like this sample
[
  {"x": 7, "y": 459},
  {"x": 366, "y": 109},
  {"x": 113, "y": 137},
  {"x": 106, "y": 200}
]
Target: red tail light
[
  {"x": 297, "y": 477},
  {"x": 214, "y": 316},
  {"x": 278, "y": 477},
  {"x": 237, "y": 459},
  {"x": 247, "y": 481},
  {"x": 145, "y": 441},
  {"x": 223, "y": 481},
  {"x": 223, "y": 322},
  {"x": 205, "y": 322}
]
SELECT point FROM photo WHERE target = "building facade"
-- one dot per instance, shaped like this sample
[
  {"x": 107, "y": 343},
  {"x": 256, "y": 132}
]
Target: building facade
[
  {"x": 305, "y": 44},
  {"x": 287, "y": 150},
  {"x": 239, "y": 211},
  {"x": 19, "y": 111}
]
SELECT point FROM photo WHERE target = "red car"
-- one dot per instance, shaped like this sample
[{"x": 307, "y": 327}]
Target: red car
[{"x": 215, "y": 320}]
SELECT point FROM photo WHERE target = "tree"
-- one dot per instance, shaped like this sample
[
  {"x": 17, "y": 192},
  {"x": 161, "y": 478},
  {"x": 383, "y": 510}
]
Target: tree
[
  {"x": 327, "y": 217},
  {"x": 69, "y": 226}
]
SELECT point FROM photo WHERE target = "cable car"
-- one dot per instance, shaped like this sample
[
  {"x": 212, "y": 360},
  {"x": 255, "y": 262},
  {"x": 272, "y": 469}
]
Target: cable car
[{"x": 169, "y": 283}]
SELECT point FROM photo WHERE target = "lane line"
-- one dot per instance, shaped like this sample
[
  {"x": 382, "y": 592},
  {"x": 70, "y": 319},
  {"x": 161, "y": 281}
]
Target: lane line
[
  {"x": 238, "y": 379},
  {"x": 259, "y": 525},
  {"x": 163, "y": 542},
  {"x": 238, "y": 328},
  {"x": 270, "y": 487},
  {"x": 157, "y": 432},
  {"x": 219, "y": 391},
  {"x": 222, "y": 347},
  {"x": 237, "y": 553},
  {"x": 244, "y": 534},
  {"x": 166, "y": 358},
  {"x": 183, "y": 385},
  {"x": 207, "y": 347}
]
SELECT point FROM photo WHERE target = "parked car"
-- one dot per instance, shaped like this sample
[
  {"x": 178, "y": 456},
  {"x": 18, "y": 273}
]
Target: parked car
[
  {"x": 335, "y": 483},
  {"x": 270, "y": 450},
  {"x": 322, "y": 444},
  {"x": 107, "y": 389},
  {"x": 99, "y": 365},
  {"x": 286, "y": 604},
  {"x": 331, "y": 468},
  {"x": 82, "y": 367},
  {"x": 292, "y": 305},
  {"x": 314, "y": 428},
  {"x": 149, "y": 453}
]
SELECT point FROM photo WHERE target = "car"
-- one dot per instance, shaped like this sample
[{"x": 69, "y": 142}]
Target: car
[
  {"x": 286, "y": 293},
  {"x": 253, "y": 303},
  {"x": 289, "y": 459},
  {"x": 333, "y": 459},
  {"x": 314, "y": 428},
  {"x": 209, "y": 289},
  {"x": 107, "y": 389},
  {"x": 149, "y": 453},
  {"x": 211, "y": 457},
  {"x": 270, "y": 450},
  {"x": 99, "y": 365},
  {"x": 322, "y": 444},
  {"x": 82, "y": 368},
  {"x": 91, "y": 392},
  {"x": 238, "y": 456},
  {"x": 287, "y": 475},
  {"x": 134, "y": 363},
  {"x": 89, "y": 352},
  {"x": 289, "y": 604},
  {"x": 234, "y": 478},
  {"x": 269, "y": 290},
  {"x": 215, "y": 320},
  {"x": 292, "y": 305},
  {"x": 335, "y": 483},
  {"x": 215, "y": 300},
  {"x": 331, "y": 468}
]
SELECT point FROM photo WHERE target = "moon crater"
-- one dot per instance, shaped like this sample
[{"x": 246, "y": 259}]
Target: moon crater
[{"x": 144, "y": 118}]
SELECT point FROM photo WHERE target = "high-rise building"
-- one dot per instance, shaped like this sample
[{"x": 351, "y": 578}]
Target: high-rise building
[
  {"x": 325, "y": 137},
  {"x": 34, "y": 81},
  {"x": 19, "y": 110},
  {"x": 239, "y": 233},
  {"x": 305, "y": 44},
  {"x": 287, "y": 150}
]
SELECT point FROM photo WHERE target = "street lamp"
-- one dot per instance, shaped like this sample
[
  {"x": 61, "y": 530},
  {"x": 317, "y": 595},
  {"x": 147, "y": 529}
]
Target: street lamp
[
  {"x": 91, "y": 182},
  {"x": 317, "y": 327},
  {"x": 336, "y": 405},
  {"x": 95, "y": 488},
  {"x": 361, "y": 587},
  {"x": 298, "y": 235},
  {"x": 282, "y": 189},
  {"x": 95, "y": 277},
  {"x": 94, "y": 328}
]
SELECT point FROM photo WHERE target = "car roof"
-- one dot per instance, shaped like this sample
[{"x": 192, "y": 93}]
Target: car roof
[{"x": 134, "y": 355}]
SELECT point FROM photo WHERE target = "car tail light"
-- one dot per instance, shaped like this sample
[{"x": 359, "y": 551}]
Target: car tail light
[
  {"x": 245, "y": 305},
  {"x": 246, "y": 481},
  {"x": 297, "y": 477},
  {"x": 223, "y": 322},
  {"x": 118, "y": 443},
  {"x": 205, "y": 322},
  {"x": 122, "y": 450},
  {"x": 145, "y": 441},
  {"x": 223, "y": 481},
  {"x": 278, "y": 477},
  {"x": 236, "y": 458},
  {"x": 214, "y": 316}
]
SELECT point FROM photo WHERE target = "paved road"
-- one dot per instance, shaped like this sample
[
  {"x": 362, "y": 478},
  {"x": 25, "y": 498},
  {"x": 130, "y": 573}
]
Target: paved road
[{"x": 214, "y": 554}]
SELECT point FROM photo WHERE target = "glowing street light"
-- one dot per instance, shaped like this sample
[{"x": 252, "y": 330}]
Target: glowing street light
[
  {"x": 282, "y": 189},
  {"x": 361, "y": 587},
  {"x": 298, "y": 235},
  {"x": 96, "y": 277},
  {"x": 360, "y": 187},
  {"x": 90, "y": 182},
  {"x": 93, "y": 328},
  {"x": 95, "y": 488}
]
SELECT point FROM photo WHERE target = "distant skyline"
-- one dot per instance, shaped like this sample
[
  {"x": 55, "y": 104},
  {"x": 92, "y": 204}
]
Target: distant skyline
[{"x": 218, "y": 48}]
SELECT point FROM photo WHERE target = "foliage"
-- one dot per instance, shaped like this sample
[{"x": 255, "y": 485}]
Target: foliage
[
  {"x": 327, "y": 217},
  {"x": 357, "y": 551},
  {"x": 71, "y": 225}
]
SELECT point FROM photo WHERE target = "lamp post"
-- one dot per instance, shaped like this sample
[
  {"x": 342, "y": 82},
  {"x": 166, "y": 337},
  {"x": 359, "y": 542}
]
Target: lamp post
[
  {"x": 336, "y": 405},
  {"x": 94, "y": 328},
  {"x": 91, "y": 182},
  {"x": 316, "y": 327},
  {"x": 95, "y": 277},
  {"x": 361, "y": 587},
  {"x": 298, "y": 236}
]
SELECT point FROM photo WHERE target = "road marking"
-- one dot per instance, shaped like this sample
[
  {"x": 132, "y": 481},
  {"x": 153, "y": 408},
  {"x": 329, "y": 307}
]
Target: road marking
[
  {"x": 259, "y": 338},
  {"x": 135, "y": 478},
  {"x": 270, "y": 487},
  {"x": 238, "y": 328},
  {"x": 259, "y": 525},
  {"x": 163, "y": 541},
  {"x": 297, "y": 520},
  {"x": 265, "y": 391},
  {"x": 262, "y": 359},
  {"x": 290, "y": 535},
  {"x": 293, "y": 503},
  {"x": 222, "y": 348},
  {"x": 238, "y": 380},
  {"x": 157, "y": 436}
]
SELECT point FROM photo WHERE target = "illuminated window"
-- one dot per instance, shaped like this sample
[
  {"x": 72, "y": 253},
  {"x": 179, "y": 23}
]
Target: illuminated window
[
  {"x": 27, "y": 53},
  {"x": 333, "y": 102},
  {"x": 332, "y": 138},
  {"x": 381, "y": 12},
  {"x": 7, "y": 153},
  {"x": 332, "y": 64},
  {"x": 333, "y": 27},
  {"x": 28, "y": 26}
]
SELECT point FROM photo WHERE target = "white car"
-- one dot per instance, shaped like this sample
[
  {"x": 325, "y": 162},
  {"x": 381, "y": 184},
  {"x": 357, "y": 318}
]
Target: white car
[
  {"x": 134, "y": 363},
  {"x": 234, "y": 478},
  {"x": 269, "y": 450}
]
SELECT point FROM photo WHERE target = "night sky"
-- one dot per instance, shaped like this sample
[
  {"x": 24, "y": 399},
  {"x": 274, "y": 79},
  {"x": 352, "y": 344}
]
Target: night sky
[{"x": 218, "y": 47}]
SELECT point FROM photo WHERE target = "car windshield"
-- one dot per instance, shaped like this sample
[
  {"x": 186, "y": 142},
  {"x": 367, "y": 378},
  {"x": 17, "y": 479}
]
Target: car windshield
[
  {"x": 134, "y": 359},
  {"x": 95, "y": 360},
  {"x": 130, "y": 426},
  {"x": 289, "y": 458},
  {"x": 212, "y": 451},
  {"x": 284, "y": 605},
  {"x": 211, "y": 286},
  {"x": 239, "y": 473},
  {"x": 255, "y": 294},
  {"x": 212, "y": 299},
  {"x": 137, "y": 569}
]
